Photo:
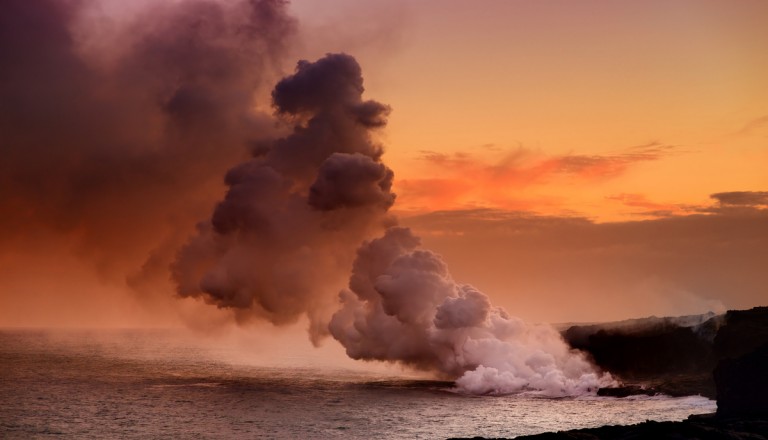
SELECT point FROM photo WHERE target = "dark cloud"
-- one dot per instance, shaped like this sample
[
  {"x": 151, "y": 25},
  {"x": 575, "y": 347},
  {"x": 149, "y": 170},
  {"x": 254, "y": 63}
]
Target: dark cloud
[{"x": 741, "y": 198}]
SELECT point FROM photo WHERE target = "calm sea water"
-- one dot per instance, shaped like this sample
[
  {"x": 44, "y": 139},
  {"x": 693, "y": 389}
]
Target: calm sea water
[{"x": 147, "y": 384}]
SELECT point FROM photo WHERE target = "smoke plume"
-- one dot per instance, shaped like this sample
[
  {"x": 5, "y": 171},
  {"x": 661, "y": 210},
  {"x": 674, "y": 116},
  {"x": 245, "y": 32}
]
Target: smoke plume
[
  {"x": 115, "y": 128},
  {"x": 289, "y": 228},
  {"x": 281, "y": 242},
  {"x": 115, "y": 132}
]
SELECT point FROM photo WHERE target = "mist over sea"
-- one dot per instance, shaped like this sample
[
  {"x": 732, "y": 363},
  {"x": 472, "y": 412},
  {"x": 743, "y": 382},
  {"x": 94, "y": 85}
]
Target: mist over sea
[{"x": 153, "y": 384}]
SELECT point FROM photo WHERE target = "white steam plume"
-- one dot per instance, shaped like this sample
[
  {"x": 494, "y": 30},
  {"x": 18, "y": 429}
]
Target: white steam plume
[{"x": 402, "y": 305}]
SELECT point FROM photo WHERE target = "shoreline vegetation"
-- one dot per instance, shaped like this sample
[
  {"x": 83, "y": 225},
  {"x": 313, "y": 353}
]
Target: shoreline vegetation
[{"x": 724, "y": 357}]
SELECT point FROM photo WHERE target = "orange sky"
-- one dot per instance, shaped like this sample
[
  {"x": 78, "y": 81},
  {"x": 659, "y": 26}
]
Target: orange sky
[
  {"x": 504, "y": 92},
  {"x": 616, "y": 112},
  {"x": 561, "y": 156}
]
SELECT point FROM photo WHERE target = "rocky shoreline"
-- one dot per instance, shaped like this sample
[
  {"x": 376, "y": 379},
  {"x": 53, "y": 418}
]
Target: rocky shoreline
[
  {"x": 718, "y": 356},
  {"x": 703, "y": 427},
  {"x": 672, "y": 355}
]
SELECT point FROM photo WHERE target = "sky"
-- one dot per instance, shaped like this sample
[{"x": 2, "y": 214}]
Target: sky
[
  {"x": 576, "y": 161},
  {"x": 570, "y": 106},
  {"x": 563, "y": 156}
]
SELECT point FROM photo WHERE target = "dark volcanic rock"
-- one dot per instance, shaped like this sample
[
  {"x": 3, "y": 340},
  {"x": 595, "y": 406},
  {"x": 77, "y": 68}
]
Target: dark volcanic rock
[
  {"x": 667, "y": 349},
  {"x": 703, "y": 427},
  {"x": 742, "y": 384},
  {"x": 700, "y": 427},
  {"x": 745, "y": 330},
  {"x": 674, "y": 356},
  {"x": 652, "y": 347},
  {"x": 625, "y": 391},
  {"x": 737, "y": 340},
  {"x": 579, "y": 334}
]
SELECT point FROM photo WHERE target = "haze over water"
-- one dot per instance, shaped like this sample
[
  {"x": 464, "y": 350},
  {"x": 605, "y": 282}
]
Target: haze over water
[{"x": 155, "y": 384}]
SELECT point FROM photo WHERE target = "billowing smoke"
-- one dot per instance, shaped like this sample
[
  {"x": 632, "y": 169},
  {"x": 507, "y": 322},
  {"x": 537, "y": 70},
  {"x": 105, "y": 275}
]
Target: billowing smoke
[
  {"x": 282, "y": 241},
  {"x": 115, "y": 131},
  {"x": 117, "y": 119},
  {"x": 402, "y": 305}
]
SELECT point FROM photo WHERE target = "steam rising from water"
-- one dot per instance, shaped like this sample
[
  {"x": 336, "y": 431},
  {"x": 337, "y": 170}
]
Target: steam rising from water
[
  {"x": 281, "y": 243},
  {"x": 403, "y": 305}
]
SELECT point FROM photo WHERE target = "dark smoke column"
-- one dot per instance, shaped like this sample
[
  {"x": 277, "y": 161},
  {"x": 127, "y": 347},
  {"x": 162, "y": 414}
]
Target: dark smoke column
[{"x": 282, "y": 241}]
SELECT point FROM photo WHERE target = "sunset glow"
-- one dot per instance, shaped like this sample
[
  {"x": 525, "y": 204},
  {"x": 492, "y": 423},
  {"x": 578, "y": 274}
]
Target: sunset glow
[
  {"x": 619, "y": 115},
  {"x": 387, "y": 219}
]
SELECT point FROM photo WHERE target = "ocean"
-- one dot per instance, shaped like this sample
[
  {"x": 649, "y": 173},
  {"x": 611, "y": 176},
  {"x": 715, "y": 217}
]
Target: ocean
[{"x": 148, "y": 384}]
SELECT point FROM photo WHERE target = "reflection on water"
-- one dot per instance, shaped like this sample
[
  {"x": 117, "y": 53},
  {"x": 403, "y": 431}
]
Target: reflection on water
[{"x": 147, "y": 384}]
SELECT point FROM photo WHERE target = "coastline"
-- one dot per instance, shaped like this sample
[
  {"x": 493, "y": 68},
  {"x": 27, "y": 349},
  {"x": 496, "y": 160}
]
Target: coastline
[
  {"x": 722, "y": 356},
  {"x": 702, "y": 427}
]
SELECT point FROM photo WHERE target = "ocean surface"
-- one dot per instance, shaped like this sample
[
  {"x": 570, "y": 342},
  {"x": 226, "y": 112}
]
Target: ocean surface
[{"x": 151, "y": 384}]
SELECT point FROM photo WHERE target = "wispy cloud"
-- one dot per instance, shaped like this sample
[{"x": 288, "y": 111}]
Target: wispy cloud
[
  {"x": 644, "y": 207},
  {"x": 751, "y": 126},
  {"x": 528, "y": 166},
  {"x": 468, "y": 178},
  {"x": 608, "y": 165},
  {"x": 741, "y": 198}
]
